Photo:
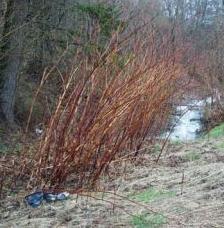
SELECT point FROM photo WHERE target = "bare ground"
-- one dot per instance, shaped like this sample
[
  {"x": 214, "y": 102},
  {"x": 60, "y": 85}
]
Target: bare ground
[{"x": 186, "y": 187}]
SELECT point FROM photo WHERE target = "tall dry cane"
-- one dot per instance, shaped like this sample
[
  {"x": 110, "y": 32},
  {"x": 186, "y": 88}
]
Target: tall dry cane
[{"x": 85, "y": 135}]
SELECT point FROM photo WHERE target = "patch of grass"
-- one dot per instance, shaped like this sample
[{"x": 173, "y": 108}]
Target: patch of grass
[
  {"x": 216, "y": 132},
  {"x": 192, "y": 156},
  {"x": 6, "y": 148},
  {"x": 148, "y": 221},
  {"x": 180, "y": 209},
  {"x": 10, "y": 142},
  {"x": 3, "y": 148},
  {"x": 176, "y": 142},
  {"x": 152, "y": 194},
  {"x": 220, "y": 145},
  {"x": 156, "y": 148}
]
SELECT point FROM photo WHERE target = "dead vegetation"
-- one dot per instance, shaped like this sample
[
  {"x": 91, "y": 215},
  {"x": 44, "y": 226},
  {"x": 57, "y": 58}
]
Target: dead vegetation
[
  {"x": 140, "y": 193},
  {"x": 111, "y": 101},
  {"x": 106, "y": 109}
]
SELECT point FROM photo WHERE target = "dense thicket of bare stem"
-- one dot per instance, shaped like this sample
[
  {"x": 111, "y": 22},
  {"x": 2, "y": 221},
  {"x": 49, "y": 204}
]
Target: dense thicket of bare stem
[{"x": 108, "y": 107}]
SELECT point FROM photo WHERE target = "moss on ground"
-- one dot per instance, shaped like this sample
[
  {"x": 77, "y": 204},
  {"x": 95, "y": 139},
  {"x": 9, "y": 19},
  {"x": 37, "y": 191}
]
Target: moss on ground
[
  {"x": 148, "y": 220},
  {"x": 152, "y": 194},
  {"x": 176, "y": 142},
  {"x": 192, "y": 156},
  {"x": 157, "y": 148},
  {"x": 220, "y": 146},
  {"x": 216, "y": 132}
]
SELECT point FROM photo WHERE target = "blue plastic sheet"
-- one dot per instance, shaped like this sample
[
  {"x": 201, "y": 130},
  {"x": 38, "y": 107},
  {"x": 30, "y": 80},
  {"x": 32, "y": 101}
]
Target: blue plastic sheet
[{"x": 36, "y": 199}]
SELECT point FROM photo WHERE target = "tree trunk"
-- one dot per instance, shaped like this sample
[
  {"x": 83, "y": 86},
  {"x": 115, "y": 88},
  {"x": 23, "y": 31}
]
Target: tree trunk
[{"x": 11, "y": 56}]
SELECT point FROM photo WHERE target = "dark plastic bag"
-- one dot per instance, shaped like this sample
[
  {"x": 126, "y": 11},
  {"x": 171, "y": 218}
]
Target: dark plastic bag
[{"x": 35, "y": 199}]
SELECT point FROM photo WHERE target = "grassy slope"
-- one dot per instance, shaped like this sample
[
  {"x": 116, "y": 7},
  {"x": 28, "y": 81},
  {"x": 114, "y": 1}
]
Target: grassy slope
[
  {"x": 184, "y": 189},
  {"x": 216, "y": 132}
]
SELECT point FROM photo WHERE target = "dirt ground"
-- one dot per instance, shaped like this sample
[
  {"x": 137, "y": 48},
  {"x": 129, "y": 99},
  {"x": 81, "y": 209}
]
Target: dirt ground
[{"x": 184, "y": 189}]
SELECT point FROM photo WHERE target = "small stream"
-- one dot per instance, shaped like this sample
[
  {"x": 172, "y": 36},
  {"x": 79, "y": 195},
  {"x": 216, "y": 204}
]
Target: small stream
[{"x": 187, "y": 120}]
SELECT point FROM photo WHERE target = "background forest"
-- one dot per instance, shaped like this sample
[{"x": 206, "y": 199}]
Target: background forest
[{"x": 35, "y": 34}]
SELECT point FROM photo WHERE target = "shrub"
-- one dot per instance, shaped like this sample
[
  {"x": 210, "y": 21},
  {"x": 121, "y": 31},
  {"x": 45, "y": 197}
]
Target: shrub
[{"x": 106, "y": 110}]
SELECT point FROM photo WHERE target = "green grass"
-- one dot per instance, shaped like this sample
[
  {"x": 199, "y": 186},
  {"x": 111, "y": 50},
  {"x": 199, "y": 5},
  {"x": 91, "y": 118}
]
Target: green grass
[
  {"x": 192, "y": 156},
  {"x": 176, "y": 142},
  {"x": 180, "y": 210},
  {"x": 9, "y": 149},
  {"x": 216, "y": 132},
  {"x": 148, "y": 221},
  {"x": 156, "y": 148},
  {"x": 3, "y": 148},
  {"x": 152, "y": 194},
  {"x": 220, "y": 145}
]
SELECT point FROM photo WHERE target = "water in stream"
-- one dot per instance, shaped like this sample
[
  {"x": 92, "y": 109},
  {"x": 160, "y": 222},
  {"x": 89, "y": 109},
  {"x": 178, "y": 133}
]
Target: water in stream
[{"x": 187, "y": 121}]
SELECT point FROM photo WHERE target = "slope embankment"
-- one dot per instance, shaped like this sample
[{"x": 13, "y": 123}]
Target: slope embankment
[{"x": 184, "y": 189}]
